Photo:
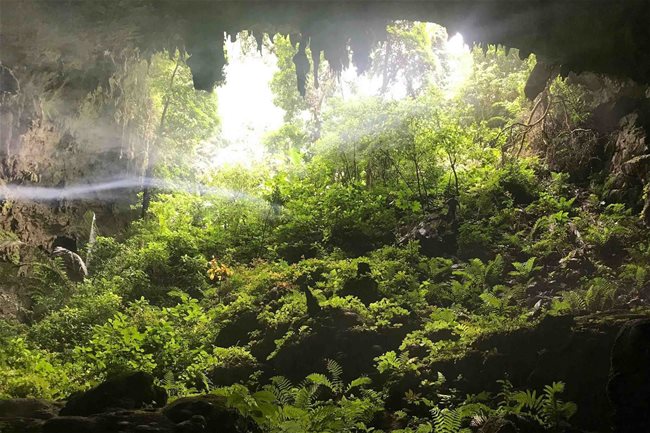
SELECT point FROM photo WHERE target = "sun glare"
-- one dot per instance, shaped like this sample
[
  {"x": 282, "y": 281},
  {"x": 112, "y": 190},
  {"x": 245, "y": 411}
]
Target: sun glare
[
  {"x": 246, "y": 107},
  {"x": 247, "y": 110},
  {"x": 460, "y": 63}
]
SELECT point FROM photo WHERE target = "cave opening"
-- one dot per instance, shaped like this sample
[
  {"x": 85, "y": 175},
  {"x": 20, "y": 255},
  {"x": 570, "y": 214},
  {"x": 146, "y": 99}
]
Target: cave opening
[
  {"x": 324, "y": 216},
  {"x": 66, "y": 242}
]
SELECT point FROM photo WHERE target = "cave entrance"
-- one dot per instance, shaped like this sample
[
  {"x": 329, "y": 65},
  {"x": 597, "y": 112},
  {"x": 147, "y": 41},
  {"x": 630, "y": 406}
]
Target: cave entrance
[{"x": 67, "y": 242}]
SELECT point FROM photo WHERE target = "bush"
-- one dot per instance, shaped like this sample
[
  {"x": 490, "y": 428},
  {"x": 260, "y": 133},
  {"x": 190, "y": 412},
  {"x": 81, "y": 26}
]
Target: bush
[
  {"x": 72, "y": 326},
  {"x": 31, "y": 373}
]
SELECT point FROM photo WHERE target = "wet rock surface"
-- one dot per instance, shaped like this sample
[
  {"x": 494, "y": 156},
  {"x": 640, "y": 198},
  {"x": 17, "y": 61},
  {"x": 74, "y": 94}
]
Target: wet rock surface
[
  {"x": 121, "y": 421},
  {"x": 574, "y": 351},
  {"x": 205, "y": 413},
  {"x": 608, "y": 37},
  {"x": 629, "y": 383},
  {"x": 607, "y": 389},
  {"x": 28, "y": 408},
  {"x": 126, "y": 391}
]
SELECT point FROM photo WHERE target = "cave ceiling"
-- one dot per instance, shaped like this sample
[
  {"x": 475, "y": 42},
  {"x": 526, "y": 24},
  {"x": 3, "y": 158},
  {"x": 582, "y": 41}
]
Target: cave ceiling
[{"x": 603, "y": 36}]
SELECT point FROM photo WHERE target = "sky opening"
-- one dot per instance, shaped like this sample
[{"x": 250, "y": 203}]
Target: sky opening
[{"x": 247, "y": 111}]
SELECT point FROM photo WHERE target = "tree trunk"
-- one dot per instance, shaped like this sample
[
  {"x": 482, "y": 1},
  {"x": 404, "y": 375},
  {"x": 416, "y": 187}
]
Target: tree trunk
[{"x": 152, "y": 153}]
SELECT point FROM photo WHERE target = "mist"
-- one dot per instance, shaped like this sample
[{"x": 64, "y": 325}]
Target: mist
[{"x": 111, "y": 188}]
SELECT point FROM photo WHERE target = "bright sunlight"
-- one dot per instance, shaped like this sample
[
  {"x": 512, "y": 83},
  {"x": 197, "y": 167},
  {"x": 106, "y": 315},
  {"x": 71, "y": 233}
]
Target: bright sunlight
[{"x": 248, "y": 113}]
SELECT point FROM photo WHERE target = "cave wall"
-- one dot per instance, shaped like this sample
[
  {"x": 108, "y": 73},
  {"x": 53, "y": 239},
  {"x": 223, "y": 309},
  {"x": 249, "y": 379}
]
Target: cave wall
[
  {"x": 56, "y": 54},
  {"x": 610, "y": 37},
  {"x": 58, "y": 123},
  {"x": 589, "y": 35}
]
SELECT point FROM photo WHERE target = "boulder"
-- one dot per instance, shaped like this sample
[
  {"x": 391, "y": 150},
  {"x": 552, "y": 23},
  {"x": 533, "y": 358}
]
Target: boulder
[
  {"x": 512, "y": 423},
  {"x": 28, "y": 408},
  {"x": 628, "y": 388},
  {"x": 362, "y": 286},
  {"x": 20, "y": 425},
  {"x": 74, "y": 265},
  {"x": 25, "y": 415},
  {"x": 113, "y": 422},
  {"x": 71, "y": 424},
  {"x": 573, "y": 351},
  {"x": 207, "y": 413},
  {"x": 134, "y": 390}
]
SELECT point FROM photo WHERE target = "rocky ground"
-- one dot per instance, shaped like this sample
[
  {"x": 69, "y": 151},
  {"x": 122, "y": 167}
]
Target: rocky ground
[
  {"x": 127, "y": 403},
  {"x": 604, "y": 358}
]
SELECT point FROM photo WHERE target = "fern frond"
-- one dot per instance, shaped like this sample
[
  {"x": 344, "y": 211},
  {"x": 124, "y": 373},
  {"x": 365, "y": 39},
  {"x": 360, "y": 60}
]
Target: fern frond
[
  {"x": 282, "y": 389},
  {"x": 478, "y": 420},
  {"x": 447, "y": 420},
  {"x": 302, "y": 398},
  {"x": 358, "y": 382},
  {"x": 505, "y": 396},
  {"x": 575, "y": 299},
  {"x": 289, "y": 412},
  {"x": 336, "y": 373},
  {"x": 529, "y": 400},
  {"x": 321, "y": 379},
  {"x": 168, "y": 379}
]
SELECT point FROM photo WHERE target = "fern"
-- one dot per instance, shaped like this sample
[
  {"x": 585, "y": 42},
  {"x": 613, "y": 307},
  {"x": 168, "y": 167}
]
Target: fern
[
  {"x": 336, "y": 373},
  {"x": 600, "y": 295},
  {"x": 358, "y": 383},
  {"x": 575, "y": 300},
  {"x": 506, "y": 393},
  {"x": 304, "y": 396},
  {"x": 479, "y": 275},
  {"x": 478, "y": 420},
  {"x": 447, "y": 420},
  {"x": 528, "y": 400},
  {"x": 546, "y": 408},
  {"x": 492, "y": 301},
  {"x": 282, "y": 389},
  {"x": 555, "y": 411},
  {"x": 321, "y": 380},
  {"x": 524, "y": 270},
  {"x": 170, "y": 383},
  {"x": 494, "y": 270}
]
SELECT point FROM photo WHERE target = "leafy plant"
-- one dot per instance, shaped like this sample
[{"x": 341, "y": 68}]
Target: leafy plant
[
  {"x": 523, "y": 272},
  {"x": 546, "y": 407}
]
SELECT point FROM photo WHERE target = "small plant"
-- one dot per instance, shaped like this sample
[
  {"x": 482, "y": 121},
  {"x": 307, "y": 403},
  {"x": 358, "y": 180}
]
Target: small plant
[
  {"x": 523, "y": 272},
  {"x": 601, "y": 294},
  {"x": 218, "y": 271},
  {"x": 546, "y": 407},
  {"x": 284, "y": 407}
]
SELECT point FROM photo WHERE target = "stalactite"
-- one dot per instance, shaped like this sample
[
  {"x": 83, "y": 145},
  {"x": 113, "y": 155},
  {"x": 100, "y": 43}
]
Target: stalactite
[{"x": 302, "y": 66}]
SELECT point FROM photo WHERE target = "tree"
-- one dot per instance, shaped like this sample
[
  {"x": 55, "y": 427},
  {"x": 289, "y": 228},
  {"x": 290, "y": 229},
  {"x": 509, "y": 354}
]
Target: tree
[
  {"x": 493, "y": 92},
  {"x": 413, "y": 55},
  {"x": 186, "y": 118},
  {"x": 285, "y": 87}
]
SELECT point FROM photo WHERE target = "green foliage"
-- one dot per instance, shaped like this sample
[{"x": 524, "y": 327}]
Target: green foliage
[
  {"x": 186, "y": 117},
  {"x": 387, "y": 313},
  {"x": 283, "y": 407},
  {"x": 413, "y": 54},
  {"x": 504, "y": 75},
  {"x": 423, "y": 200},
  {"x": 72, "y": 325},
  {"x": 348, "y": 217},
  {"x": 524, "y": 271},
  {"x": 27, "y": 372},
  {"x": 546, "y": 407}
]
